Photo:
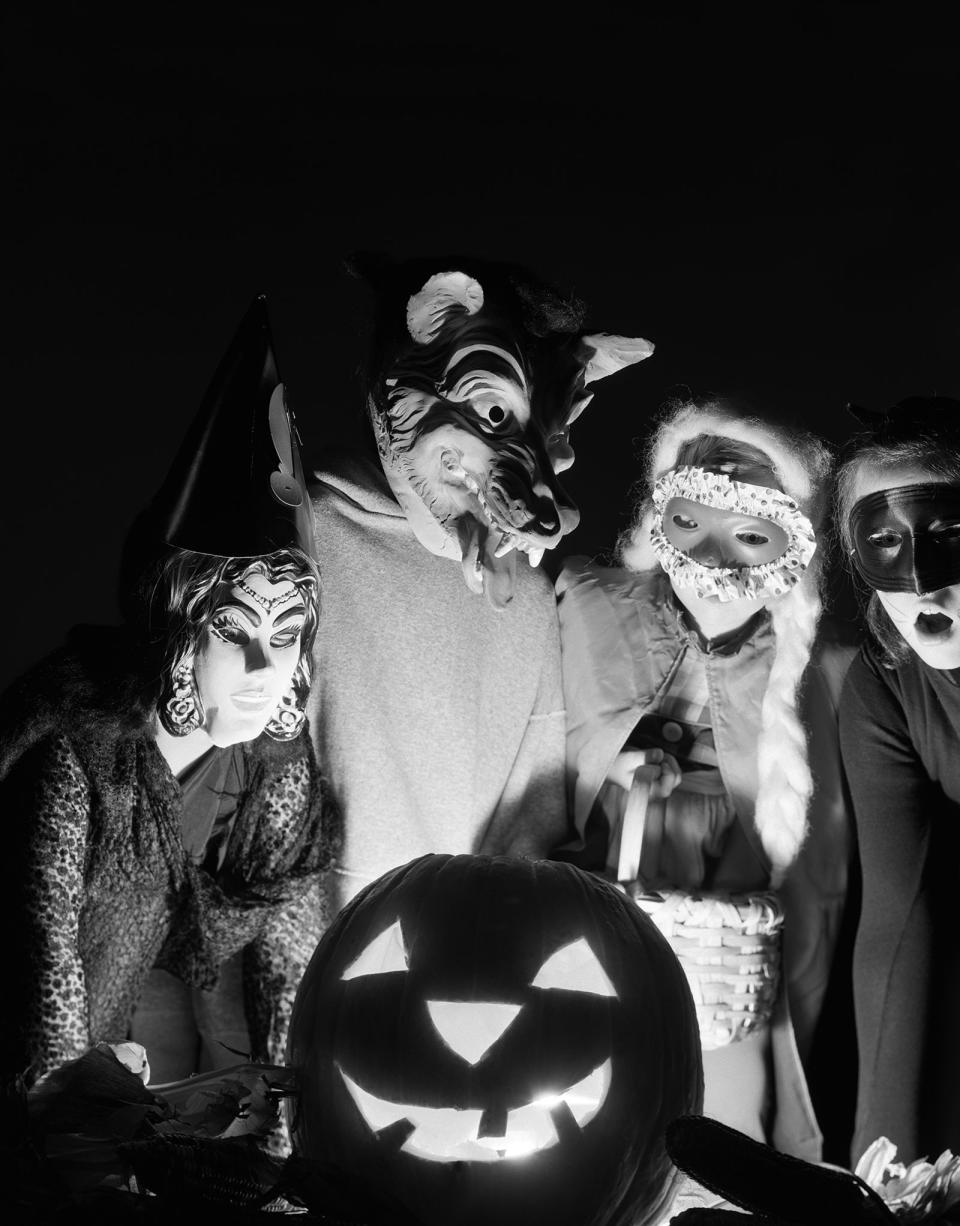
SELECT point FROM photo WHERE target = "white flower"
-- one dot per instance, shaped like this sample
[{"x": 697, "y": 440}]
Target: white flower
[
  {"x": 915, "y": 1193},
  {"x": 134, "y": 1057}
]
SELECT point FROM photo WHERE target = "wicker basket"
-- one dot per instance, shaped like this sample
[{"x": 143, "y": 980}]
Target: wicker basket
[
  {"x": 728, "y": 944},
  {"x": 729, "y": 948}
]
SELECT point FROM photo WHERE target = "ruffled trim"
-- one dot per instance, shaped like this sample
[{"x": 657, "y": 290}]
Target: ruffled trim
[{"x": 767, "y": 580}]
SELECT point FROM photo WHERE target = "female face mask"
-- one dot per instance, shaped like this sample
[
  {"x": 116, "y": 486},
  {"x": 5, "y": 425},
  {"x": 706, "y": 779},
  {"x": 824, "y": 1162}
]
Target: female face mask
[
  {"x": 248, "y": 657},
  {"x": 728, "y": 539}
]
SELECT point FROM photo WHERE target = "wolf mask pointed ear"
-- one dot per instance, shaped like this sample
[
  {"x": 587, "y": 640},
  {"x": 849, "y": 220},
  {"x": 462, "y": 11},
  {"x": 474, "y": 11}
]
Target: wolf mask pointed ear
[
  {"x": 603, "y": 354},
  {"x": 442, "y": 295}
]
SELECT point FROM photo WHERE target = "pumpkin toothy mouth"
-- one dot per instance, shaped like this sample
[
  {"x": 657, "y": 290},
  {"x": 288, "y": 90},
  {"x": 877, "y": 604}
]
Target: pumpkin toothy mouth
[{"x": 452, "y": 1134}]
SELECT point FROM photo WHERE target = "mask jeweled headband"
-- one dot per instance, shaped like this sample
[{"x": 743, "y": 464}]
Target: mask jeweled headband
[
  {"x": 268, "y": 602},
  {"x": 719, "y": 491}
]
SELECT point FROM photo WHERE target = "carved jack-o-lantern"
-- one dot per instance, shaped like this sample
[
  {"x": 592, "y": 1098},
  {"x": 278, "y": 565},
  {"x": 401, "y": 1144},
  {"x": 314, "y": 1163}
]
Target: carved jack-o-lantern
[{"x": 493, "y": 1040}]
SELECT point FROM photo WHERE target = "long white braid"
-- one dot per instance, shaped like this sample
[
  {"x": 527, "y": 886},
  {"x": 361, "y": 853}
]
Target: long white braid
[{"x": 783, "y": 769}]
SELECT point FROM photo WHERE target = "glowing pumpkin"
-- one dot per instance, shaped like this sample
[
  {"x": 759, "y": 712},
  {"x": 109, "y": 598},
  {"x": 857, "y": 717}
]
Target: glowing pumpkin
[{"x": 494, "y": 1040}]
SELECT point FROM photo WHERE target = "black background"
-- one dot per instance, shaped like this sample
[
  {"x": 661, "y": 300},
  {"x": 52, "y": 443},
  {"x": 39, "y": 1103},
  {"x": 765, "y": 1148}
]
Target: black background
[{"x": 766, "y": 191}]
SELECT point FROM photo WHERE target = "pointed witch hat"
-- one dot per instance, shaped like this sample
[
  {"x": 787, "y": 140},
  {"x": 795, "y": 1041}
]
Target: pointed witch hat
[{"x": 236, "y": 487}]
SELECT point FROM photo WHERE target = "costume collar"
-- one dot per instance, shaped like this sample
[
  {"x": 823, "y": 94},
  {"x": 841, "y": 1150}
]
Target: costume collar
[{"x": 724, "y": 644}]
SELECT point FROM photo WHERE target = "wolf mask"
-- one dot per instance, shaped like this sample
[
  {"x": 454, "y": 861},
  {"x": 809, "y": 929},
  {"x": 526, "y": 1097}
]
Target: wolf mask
[{"x": 478, "y": 373}]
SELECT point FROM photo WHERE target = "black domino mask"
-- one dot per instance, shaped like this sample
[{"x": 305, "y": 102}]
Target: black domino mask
[{"x": 907, "y": 539}]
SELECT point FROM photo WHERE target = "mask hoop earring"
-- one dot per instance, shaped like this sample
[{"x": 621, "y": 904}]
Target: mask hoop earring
[
  {"x": 288, "y": 720},
  {"x": 180, "y": 710}
]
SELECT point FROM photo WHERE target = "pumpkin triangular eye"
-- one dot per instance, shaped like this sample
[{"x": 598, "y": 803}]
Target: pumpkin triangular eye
[
  {"x": 384, "y": 954},
  {"x": 575, "y": 968}
]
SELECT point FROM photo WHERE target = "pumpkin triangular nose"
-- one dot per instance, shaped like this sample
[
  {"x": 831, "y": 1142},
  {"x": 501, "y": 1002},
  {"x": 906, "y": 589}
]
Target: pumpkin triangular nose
[{"x": 471, "y": 1027}]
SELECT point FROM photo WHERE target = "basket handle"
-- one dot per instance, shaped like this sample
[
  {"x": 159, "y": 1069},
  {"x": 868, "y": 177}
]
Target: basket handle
[{"x": 632, "y": 828}]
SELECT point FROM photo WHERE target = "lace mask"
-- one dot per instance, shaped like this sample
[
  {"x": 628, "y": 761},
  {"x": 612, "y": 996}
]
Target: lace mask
[{"x": 717, "y": 490}]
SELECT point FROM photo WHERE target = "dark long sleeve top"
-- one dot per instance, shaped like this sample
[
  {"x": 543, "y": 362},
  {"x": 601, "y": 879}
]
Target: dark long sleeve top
[{"x": 900, "y": 737}]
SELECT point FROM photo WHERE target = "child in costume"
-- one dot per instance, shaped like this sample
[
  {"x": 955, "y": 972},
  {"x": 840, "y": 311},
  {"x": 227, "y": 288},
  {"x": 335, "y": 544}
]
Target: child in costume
[
  {"x": 693, "y": 778},
  {"x": 438, "y": 708},
  {"x": 167, "y": 820},
  {"x": 899, "y": 517}
]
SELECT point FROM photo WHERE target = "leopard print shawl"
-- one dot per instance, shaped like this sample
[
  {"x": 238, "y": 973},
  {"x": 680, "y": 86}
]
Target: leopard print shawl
[{"x": 102, "y": 889}]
